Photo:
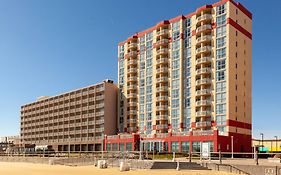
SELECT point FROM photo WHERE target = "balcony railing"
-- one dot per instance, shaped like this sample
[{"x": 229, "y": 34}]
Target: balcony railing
[
  {"x": 162, "y": 88},
  {"x": 132, "y": 45},
  {"x": 162, "y": 79},
  {"x": 132, "y": 103},
  {"x": 162, "y": 108},
  {"x": 162, "y": 51},
  {"x": 203, "y": 133},
  {"x": 162, "y": 42},
  {"x": 203, "y": 103},
  {"x": 132, "y": 70},
  {"x": 162, "y": 117},
  {"x": 203, "y": 91},
  {"x": 132, "y": 95},
  {"x": 132, "y": 78},
  {"x": 203, "y": 81},
  {"x": 203, "y": 70},
  {"x": 203, "y": 60},
  {"x": 132, "y": 87},
  {"x": 204, "y": 38},
  {"x": 204, "y": 17},
  {"x": 132, "y": 112},
  {"x": 163, "y": 32},
  {"x": 203, "y": 28},
  {"x": 204, "y": 49},
  {"x": 203, "y": 113},
  {"x": 162, "y": 98},
  {"x": 162, "y": 60},
  {"x": 132, "y": 53},
  {"x": 162, "y": 126},
  {"x": 131, "y": 62},
  {"x": 162, "y": 70}
]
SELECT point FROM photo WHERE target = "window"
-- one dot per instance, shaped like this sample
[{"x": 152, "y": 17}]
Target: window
[
  {"x": 187, "y": 22},
  {"x": 141, "y": 108},
  {"x": 184, "y": 146},
  {"x": 221, "y": 98},
  {"x": 149, "y": 45},
  {"x": 220, "y": 64},
  {"x": 222, "y": 130},
  {"x": 122, "y": 147},
  {"x": 149, "y": 36},
  {"x": 108, "y": 147},
  {"x": 176, "y": 25},
  {"x": 175, "y": 73},
  {"x": 187, "y": 33},
  {"x": 220, "y": 109},
  {"x": 220, "y": 75},
  {"x": 129, "y": 147},
  {"x": 175, "y": 103},
  {"x": 176, "y": 45},
  {"x": 175, "y": 93},
  {"x": 175, "y": 124},
  {"x": 115, "y": 147},
  {"x": 175, "y": 146},
  {"x": 186, "y": 124},
  {"x": 176, "y": 35},
  {"x": 175, "y": 55},
  {"x": 142, "y": 40},
  {"x": 221, "y": 20},
  {"x": 221, "y": 42},
  {"x": 149, "y": 117},
  {"x": 195, "y": 146},
  {"x": 221, "y": 53},
  {"x": 221, "y": 31},
  {"x": 175, "y": 64},
  {"x": 175, "y": 113},
  {"x": 175, "y": 84},
  {"x": 187, "y": 42},
  {"x": 221, "y": 9},
  {"x": 149, "y": 107},
  {"x": 221, "y": 87},
  {"x": 187, "y": 102}
]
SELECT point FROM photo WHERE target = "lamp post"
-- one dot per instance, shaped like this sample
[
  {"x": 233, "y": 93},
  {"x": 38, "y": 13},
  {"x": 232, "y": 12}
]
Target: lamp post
[
  {"x": 232, "y": 147},
  {"x": 68, "y": 146},
  {"x": 261, "y": 141},
  {"x": 276, "y": 138}
]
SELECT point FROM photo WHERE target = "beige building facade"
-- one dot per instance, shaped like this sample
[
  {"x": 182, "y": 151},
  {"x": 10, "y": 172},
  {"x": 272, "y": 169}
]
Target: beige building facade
[
  {"x": 75, "y": 121},
  {"x": 191, "y": 74}
]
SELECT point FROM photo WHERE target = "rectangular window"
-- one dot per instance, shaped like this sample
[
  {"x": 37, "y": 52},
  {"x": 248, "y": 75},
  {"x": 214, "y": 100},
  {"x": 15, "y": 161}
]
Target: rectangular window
[
  {"x": 221, "y": 42},
  {"x": 221, "y": 53},
  {"x": 175, "y": 93},
  {"x": 176, "y": 25},
  {"x": 175, "y": 64},
  {"x": 129, "y": 147},
  {"x": 221, "y": 9},
  {"x": 185, "y": 147},
  {"x": 188, "y": 22},
  {"x": 221, "y": 87},
  {"x": 176, "y": 45},
  {"x": 175, "y": 113},
  {"x": 149, "y": 45},
  {"x": 221, "y": 98},
  {"x": 220, "y": 76},
  {"x": 221, "y": 109},
  {"x": 221, "y": 20},
  {"x": 175, "y": 84},
  {"x": 176, "y": 55},
  {"x": 221, "y": 31},
  {"x": 221, "y": 120},
  {"x": 175, "y": 146},
  {"x": 195, "y": 146},
  {"x": 187, "y": 42},
  {"x": 175, "y": 74},
  {"x": 220, "y": 64},
  {"x": 176, "y": 35},
  {"x": 175, "y": 103}
]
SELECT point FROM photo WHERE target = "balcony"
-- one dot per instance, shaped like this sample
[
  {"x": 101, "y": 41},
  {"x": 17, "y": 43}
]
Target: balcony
[
  {"x": 132, "y": 62},
  {"x": 162, "y": 89},
  {"x": 132, "y": 103},
  {"x": 204, "y": 17},
  {"x": 163, "y": 32},
  {"x": 162, "y": 126},
  {"x": 162, "y": 117},
  {"x": 101, "y": 105},
  {"x": 162, "y": 70},
  {"x": 132, "y": 45},
  {"x": 203, "y": 71},
  {"x": 203, "y": 81},
  {"x": 162, "y": 60},
  {"x": 131, "y": 87},
  {"x": 161, "y": 79},
  {"x": 100, "y": 113},
  {"x": 203, "y": 103},
  {"x": 203, "y": 113},
  {"x": 132, "y": 70},
  {"x": 100, "y": 121},
  {"x": 132, "y": 112},
  {"x": 162, "y": 108},
  {"x": 162, "y": 42},
  {"x": 131, "y": 120},
  {"x": 203, "y": 92},
  {"x": 203, "y": 133},
  {"x": 133, "y": 78},
  {"x": 204, "y": 49},
  {"x": 162, "y": 51},
  {"x": 132, "y": 95},
  {"x": 204, "y": 39},
  {"x": 203, "y": 60},
  {"x": 132, "y": 54},
  {"x": 162, "y": 98},
  {"x": 203, "y": 28}
]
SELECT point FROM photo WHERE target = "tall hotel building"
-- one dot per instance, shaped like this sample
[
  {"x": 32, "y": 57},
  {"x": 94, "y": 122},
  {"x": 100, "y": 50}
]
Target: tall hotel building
[
  {"x": 188, "y": 79},
  {"x": 72, "y": 121}
]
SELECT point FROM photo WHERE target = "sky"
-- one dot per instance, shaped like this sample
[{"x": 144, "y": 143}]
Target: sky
[{"x": 49, "y": 47}]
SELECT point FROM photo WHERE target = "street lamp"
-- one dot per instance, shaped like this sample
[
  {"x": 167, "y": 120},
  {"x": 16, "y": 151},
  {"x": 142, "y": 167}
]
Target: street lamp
[
  {"x": 232, "y": 147},
  {"x": 261, "y": 141},
  {"x": 276, "y": 138}
]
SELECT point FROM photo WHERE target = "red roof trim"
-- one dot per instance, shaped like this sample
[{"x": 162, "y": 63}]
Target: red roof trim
[{"x": 238, "y": 27}]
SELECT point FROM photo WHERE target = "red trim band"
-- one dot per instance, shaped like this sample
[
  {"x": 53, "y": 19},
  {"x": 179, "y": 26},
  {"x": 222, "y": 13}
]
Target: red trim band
[{"x": 238, "y": 27}]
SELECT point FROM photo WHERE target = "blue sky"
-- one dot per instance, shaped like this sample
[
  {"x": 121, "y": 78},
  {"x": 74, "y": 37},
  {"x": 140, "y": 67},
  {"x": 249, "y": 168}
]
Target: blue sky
[{"x": 48, "y": 47}]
